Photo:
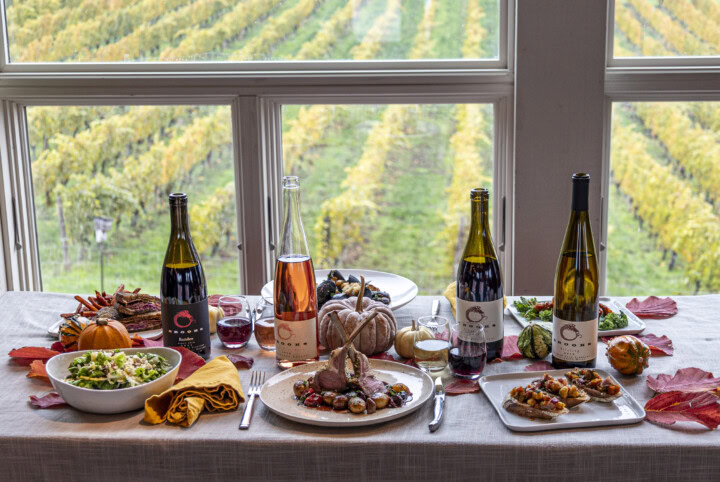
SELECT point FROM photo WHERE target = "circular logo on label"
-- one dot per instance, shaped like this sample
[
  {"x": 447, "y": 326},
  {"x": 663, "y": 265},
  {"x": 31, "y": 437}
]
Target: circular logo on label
[
  {"x": 475, "y": 314},
  {"x": 284, "y": 332},
  {"x": 570, "y": 332},
  {"x": 185, "y": 317}
]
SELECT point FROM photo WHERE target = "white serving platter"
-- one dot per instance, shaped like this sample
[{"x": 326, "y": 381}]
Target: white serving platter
[
  {"x": 401, "y": 290},
  {"x": 622, "y": 411},
  {"x": 277, "y": 395},
  {"x": 635, "y": 324},
  {"x": 54, "y": 330}
]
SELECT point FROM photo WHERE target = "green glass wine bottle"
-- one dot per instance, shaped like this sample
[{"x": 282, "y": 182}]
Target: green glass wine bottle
[{"x": 575, "y": 315}]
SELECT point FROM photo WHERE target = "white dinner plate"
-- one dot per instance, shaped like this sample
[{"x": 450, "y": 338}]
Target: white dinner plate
[
  {"x": 622, "y": 411},
  {"x": 635, "y": 324},
  {"x": 277, "y": 395},
  {"x": 401, "y": 290}
]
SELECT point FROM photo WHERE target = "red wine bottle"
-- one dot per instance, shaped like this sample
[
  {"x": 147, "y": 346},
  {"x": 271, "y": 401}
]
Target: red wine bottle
[
  {"x": 294, "y": 292},
  {"x": 183, "y": 290},
  {"x": 575, "y": 307},
  {"x": 479, "y": 281}
]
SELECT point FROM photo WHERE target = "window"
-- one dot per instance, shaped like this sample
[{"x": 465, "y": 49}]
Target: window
[
  {"x": 251, "y": 30},
  {"x": 110, "y": 105},
  {"x": 119, "y": 163},
  {"x": 387, "y": 187},
  {"x": 664, "y": 222}
]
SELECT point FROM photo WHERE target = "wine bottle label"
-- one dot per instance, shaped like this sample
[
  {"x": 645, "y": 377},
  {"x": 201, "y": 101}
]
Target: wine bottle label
[
  {"x": 470, "y": 314},
  {"x": 187, "y": 326},
  {"x": 574, "y": 341},
  {"x": 296, "y": 340}
]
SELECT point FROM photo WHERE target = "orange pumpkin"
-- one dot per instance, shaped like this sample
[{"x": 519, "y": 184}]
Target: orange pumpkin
[
  {"x": 628, "y": 355},
  {"x": 70, "y": 331},
  {"x": 104, "y": 334}
]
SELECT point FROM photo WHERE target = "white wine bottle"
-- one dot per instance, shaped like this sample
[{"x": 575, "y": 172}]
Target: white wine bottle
[
  {"x": 575, "y": 312},
  {"x": 183, "y": 290},
  {"x": 479, "y": 281}
]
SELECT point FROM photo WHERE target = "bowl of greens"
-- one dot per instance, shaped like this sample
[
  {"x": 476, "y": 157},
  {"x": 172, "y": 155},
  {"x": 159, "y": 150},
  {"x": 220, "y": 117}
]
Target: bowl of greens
[{"x": 113, "y": 381}]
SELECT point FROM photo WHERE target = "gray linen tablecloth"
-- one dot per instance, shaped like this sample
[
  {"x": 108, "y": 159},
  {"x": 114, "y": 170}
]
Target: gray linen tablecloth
[{"x": 472, "y": 443}]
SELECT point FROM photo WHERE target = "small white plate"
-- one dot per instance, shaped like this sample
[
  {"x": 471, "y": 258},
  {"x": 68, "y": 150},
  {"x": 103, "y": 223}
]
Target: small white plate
[
  {"x": 277, "y": 395},
  {"x": 110, "y": 401},
  {"x": 635, "y": 324},
  {"x": 401, "y": 290},
  {"x": 622, "y": 411}
]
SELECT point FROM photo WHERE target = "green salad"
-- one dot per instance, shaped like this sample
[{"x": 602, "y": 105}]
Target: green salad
[
  {"x": 109, "y": 370},
  {"x": 531, "y": 309}
]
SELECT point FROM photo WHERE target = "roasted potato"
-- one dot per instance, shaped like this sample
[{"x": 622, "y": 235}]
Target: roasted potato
[
  {"x": 340, "y": 402},
  {"x": 328, "y": 397},
  {"x": 381, "y": 400},
  {"x": 357, "y": 405},
  {"x": 300, "y": 386}
]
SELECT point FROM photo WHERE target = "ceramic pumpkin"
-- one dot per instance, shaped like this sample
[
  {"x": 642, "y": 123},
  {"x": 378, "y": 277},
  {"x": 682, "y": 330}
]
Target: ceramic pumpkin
[
  {"x": 405, "y": 339},
  {"x": 378, "y": 336},
  {"x": 70, "y": 331},
  {"x": 628, "y": 355},
  {"x": 104, "y": 334}
]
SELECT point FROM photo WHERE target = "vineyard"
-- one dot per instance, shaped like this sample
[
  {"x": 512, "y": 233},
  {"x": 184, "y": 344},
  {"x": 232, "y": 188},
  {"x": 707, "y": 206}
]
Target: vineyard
[{"x": 383, "y": 187}]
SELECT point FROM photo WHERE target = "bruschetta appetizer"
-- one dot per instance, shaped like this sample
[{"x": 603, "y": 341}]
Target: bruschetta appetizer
[
  {"x": 533, "y": 403},
  {"x": 593, "y": 384},
  {"x": 570, "y": 395}
]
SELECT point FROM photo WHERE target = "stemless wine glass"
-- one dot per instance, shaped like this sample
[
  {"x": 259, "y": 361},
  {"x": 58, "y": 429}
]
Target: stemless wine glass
[
  {"x": 265, "y": 324},
  {"x": 432, "y": 340},
  {"x": 235, "y": 328},
  {"x": 468, "y": 353}
]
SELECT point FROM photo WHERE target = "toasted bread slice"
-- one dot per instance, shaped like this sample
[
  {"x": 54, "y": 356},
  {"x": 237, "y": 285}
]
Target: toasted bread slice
[
  {"x": 598, "y": 396},
  {"x": 525, "y": 410}
]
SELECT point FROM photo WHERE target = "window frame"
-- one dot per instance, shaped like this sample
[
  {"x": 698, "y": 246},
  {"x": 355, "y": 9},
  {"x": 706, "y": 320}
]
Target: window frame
[{"x": 255, "y": 91}]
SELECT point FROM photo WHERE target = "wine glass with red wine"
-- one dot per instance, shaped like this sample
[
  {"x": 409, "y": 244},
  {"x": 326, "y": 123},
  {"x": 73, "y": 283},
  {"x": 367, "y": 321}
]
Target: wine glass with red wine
[
  {"x": 468, "y": 351},
  {"x": 235, "y": 327}
]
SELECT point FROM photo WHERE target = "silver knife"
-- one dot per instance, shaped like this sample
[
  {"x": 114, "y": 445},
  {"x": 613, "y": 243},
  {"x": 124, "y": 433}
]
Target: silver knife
[
  {"x": 435, "y": 310},
  {"x": 439, "y": 403}
]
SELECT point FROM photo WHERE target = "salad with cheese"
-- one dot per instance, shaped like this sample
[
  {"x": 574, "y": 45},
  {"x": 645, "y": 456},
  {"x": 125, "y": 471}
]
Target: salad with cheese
[{"x": 110, "y": 370}]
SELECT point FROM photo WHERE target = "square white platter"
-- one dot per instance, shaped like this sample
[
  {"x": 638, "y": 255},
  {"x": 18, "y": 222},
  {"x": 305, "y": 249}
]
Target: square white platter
[
  {"x": 622, "y": 411},
  {"x": 635, "y": 324}
]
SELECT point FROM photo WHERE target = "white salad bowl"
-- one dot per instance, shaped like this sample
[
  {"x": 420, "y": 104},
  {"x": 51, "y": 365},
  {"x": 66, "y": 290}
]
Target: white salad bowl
[{"x": 110, "y": 401}]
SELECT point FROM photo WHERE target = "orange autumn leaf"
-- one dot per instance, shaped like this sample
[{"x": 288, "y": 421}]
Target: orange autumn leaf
[{"x": 37, "y": 370}]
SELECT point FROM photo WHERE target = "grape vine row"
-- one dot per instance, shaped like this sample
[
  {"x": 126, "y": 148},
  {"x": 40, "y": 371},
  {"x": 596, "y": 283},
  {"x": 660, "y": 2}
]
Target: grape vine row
[
  {"x": 96, "y": 31},
  {"x": 318, "y": 47},
  {"x": 229, "y": 26},
  {"x": 699, "y": 23},
  {"x": 682, "y": 222},
  {"x": 679, "y": 38}
]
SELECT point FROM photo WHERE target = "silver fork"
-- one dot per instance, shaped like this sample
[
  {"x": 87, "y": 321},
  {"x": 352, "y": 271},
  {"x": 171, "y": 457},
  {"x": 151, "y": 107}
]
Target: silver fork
[{"x": 257, "y": 378}]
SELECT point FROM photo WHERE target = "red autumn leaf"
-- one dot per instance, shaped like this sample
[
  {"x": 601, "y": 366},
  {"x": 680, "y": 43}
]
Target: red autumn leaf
[
  {"x": 37, "y": 370},
  {"x": 653, "y": 307},
  {"x": 444, "y": 336},
  {"x": 51, "y": 400},
  {"x": 510, "y": 349},
  {"x": 191, "y": 361},
  {"x": 148, "y": 343},
  {"x": 25, "y": 356},
  {"x": 411, "y": 362},
  {"x": 383, "y": 356},
  {"x": 138, "y": 341},
  {"x": 687, "y": 380},
  {"x": 462, "y": 386},
  {"x": 539, "y": 366},
  {"x": 496, "y": 360},
  {"x": 241, "y": 361},
  {"x": 59, "y": 347},
  {"x": 670, "y": 407},
  {"x": 659, "y": 345}
]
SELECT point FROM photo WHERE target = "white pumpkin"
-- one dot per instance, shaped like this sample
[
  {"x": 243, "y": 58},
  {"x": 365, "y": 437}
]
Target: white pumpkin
[{"x": 405, "y": 339}]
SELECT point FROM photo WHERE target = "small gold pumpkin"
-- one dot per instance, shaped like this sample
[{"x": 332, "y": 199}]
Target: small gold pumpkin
[{"x": 405, "y": 339}]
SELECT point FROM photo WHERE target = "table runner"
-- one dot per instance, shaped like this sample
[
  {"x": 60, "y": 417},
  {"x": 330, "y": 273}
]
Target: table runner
[{"x": 64, "y": 444}]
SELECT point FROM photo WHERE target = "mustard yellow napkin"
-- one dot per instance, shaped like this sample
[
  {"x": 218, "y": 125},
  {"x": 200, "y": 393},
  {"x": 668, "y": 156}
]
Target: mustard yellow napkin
[
  {"x": 451, "y": 295},
  {"x": 215, "y": 386}
]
